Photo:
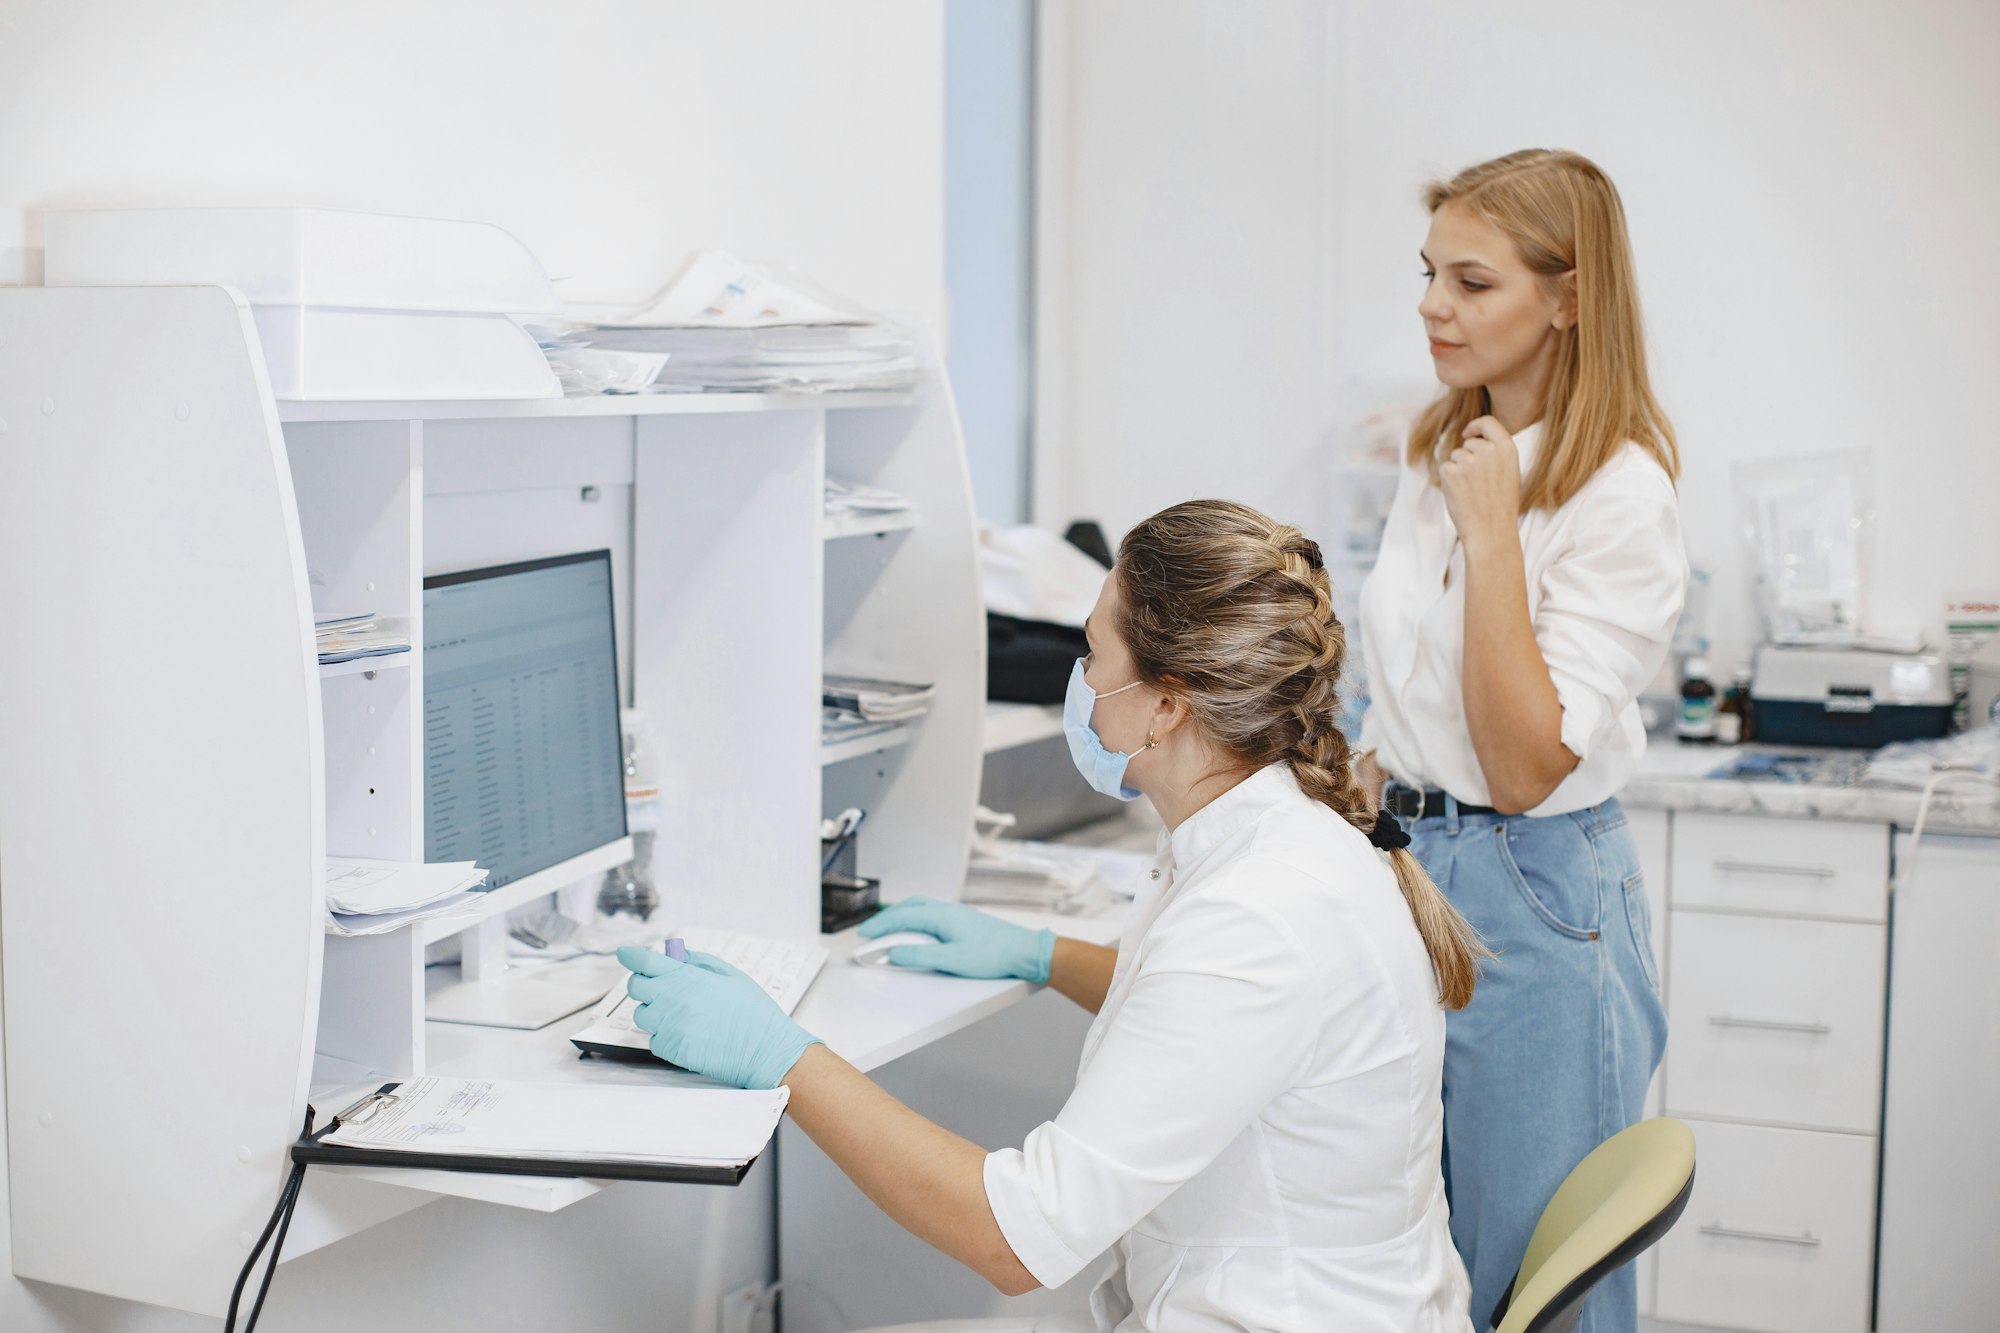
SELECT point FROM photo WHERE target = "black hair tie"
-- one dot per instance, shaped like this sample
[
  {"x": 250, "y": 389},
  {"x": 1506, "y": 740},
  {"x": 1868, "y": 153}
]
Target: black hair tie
[{"x": 1388, "y": 833}]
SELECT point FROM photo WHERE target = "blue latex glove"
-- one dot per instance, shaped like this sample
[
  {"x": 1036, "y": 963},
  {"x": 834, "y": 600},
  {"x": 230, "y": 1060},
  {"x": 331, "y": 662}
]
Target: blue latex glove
[
  {"x": 971, "y": 943},
  {"x": 707, "y": 1017}
]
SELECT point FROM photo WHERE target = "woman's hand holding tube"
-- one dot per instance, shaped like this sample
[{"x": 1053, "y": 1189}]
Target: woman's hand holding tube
[
  {"x": 710, "y": 1019},
  {"x": 970, "y": 942}
]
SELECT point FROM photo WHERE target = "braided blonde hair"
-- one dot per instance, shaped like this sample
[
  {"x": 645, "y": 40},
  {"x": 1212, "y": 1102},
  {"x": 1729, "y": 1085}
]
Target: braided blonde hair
[{"x": 1232, "y": 612}]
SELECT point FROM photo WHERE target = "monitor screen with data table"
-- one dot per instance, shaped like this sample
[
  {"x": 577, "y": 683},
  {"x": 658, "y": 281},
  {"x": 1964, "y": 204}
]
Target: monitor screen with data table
[{"x": 523, "y": 764}]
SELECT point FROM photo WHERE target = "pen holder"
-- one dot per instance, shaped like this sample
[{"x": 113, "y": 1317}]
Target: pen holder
[
  {"x": 845, "y": 900},
  {"x": 844, "y": 897},
  {"x": 836, "y": 856}
]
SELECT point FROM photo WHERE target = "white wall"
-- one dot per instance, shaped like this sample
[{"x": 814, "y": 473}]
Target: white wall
[
  {"x": 613, "y": 136},
  {"x": 1185, "y": 336},
  {"x": 1810, "y": 186}
]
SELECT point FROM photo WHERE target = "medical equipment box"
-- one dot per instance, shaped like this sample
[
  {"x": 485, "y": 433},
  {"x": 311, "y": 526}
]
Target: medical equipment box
[{"x": 1849, "y": 697}]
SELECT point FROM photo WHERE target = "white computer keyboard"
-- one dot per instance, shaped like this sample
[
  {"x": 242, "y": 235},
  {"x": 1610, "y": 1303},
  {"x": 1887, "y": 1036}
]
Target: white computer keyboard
[{"x": 784, "y": 968}]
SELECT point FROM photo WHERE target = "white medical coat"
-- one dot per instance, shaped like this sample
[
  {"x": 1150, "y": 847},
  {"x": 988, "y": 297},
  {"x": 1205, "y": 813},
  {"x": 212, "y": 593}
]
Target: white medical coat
[{"x": 1257, "y": 1125}]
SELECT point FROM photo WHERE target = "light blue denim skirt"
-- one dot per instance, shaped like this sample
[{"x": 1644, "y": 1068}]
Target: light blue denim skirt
[{"x": 1563, "y": 1034}]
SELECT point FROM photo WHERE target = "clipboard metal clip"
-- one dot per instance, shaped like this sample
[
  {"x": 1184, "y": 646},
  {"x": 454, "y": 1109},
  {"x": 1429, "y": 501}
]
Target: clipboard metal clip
[{"x": 366, "y": 1109}]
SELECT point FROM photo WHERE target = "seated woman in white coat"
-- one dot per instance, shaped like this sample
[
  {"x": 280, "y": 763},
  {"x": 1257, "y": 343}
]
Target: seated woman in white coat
[{"x": 1256, "y": 1128}]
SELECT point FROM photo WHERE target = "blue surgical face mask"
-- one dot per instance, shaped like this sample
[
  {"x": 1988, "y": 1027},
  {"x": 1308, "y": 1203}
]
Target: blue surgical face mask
[{"x": 1103, "y": 769}]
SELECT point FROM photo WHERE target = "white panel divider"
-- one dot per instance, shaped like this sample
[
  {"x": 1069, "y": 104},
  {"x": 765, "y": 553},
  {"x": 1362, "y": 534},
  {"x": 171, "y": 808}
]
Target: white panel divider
[
  {"x": 726, "y": 587},
  {"x": 161, "y": 803}
]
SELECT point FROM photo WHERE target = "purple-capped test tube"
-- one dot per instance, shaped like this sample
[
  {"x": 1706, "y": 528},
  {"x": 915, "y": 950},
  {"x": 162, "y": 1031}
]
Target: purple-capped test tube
[{"x": 675, "y": 949}]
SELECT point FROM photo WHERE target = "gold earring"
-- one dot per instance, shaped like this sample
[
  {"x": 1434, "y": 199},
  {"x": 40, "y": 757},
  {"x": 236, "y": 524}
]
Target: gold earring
[{"x": 1150, "y": 742}]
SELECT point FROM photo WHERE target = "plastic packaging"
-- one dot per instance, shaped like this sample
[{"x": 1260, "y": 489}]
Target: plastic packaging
[{"x": 1806, "y": 521}]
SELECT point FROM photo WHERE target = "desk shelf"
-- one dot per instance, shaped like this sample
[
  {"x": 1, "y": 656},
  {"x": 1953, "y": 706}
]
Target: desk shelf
[
  {"x": 867, "y": 525},
  {"x": 594, "y": 405},
  {"x": 362, "y": 665},
  {"x": 856, "y": 747}
]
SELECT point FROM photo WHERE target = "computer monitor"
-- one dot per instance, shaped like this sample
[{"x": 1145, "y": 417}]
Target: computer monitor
[{"x": 523, "y": 764}]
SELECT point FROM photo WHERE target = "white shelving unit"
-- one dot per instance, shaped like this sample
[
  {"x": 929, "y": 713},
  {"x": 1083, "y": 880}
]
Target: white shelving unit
[{"x": 170, "y": 813}]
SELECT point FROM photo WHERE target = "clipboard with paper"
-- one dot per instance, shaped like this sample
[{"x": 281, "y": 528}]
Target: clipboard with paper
[{"x": 695, "y": 1135}]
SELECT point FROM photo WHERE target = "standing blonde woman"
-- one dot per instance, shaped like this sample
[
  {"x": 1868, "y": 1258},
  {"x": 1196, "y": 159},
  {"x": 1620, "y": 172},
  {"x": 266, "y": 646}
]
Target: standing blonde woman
[
  {"x": 1256, "y": 1126},
  {"x": 1529, "y": 581}
]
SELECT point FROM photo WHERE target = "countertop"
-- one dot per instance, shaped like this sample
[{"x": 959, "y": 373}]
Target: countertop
[{"x": 1674, "y": 776}]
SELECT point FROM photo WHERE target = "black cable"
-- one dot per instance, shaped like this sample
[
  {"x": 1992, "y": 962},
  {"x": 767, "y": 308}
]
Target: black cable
[
  {"x": 280, "y": 1223},
  {"x": 290, "y": 1202}
]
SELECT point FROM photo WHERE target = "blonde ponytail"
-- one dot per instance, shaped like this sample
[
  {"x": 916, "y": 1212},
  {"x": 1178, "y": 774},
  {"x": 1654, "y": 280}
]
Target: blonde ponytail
[{"x": 1236, "y": 611}]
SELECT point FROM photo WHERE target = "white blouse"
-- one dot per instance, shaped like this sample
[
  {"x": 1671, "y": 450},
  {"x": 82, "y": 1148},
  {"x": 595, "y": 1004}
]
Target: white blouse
[
  {"x": 1606, "y": 578},
  {"x": 1257, "y": 1124}
]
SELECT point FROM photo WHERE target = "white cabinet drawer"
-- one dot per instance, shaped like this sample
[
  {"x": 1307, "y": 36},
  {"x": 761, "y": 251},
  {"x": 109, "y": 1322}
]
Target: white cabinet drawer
[
  {"x": 1796, "y": 867},
  {"x": 1778, "y": 1235},
  {"x": 1776, "y": 1019}
]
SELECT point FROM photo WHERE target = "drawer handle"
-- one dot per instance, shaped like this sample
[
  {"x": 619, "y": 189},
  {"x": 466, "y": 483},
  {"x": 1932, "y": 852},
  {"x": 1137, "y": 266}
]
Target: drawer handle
[
  {"x": 1774, "y": 868},
  {"x": 1775, "y": 1237},
  {"x": 1769, "y": 1025}
]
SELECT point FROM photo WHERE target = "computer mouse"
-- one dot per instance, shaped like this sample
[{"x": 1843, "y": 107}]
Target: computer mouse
[{"x": 875, "y": 953}]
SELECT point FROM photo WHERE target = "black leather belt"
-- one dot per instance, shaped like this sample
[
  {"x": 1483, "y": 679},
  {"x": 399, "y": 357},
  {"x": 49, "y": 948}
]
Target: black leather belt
[{"x": 1410, "y": 804}]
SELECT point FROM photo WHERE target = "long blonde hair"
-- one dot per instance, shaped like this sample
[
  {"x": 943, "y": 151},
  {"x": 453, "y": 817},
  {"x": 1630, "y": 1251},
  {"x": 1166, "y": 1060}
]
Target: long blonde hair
[
  {"x": 1563, "y": 215},
  {"x": 1232, "y": 612}
]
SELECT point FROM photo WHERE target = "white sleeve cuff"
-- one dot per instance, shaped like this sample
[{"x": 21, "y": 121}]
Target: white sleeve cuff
[
  {"x": 1034, "y": 1242},
  {"x": 1583, "y": 715}
]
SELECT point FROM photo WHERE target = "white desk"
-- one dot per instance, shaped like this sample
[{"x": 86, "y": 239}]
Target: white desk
[{"x": 866, "y": 1015}]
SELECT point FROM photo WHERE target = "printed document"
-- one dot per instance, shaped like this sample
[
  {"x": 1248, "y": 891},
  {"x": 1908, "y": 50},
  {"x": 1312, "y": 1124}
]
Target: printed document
[{"x": 499, "y": 1118}]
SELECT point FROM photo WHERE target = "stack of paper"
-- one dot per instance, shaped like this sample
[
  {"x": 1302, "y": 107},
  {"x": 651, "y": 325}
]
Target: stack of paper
[
  {"x": 876, "y": 700},
  {"x": 566, "y": 1121},
  {"x": 1053, "y": 877},
  {"x": 837, "y": 725},
  {"x": 732, "y": 328},
  {"x": 850, "y": 499},
  {"x": 344, "y": 638},
  {"x": 368, "y": 897}
]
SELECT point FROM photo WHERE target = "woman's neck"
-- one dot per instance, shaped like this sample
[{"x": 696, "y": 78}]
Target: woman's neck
[
  {"x": 1517, "y": 402},
  {"x": 1516, "y": 406},
  {"x": 1189, "y": 781}
]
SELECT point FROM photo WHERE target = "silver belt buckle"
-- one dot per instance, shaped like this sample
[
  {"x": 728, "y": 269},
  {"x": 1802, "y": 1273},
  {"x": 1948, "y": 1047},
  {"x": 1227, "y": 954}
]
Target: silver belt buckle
[{"x": 1403, "y": 801}]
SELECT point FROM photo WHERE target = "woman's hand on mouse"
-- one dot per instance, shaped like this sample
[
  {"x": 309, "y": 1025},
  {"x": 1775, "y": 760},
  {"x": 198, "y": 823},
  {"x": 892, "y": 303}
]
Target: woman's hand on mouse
[
  {"x": 971, "y": 943},
  {"x": 1481, "y": 482},
  {"x": 710, "y": 1019}
]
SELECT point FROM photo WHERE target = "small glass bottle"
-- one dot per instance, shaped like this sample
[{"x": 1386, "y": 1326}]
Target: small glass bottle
[
  {"x": 630, "y": 888},
  {"x": 1695, "y": 720},
  {"x": 1736, "y": 716}
]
